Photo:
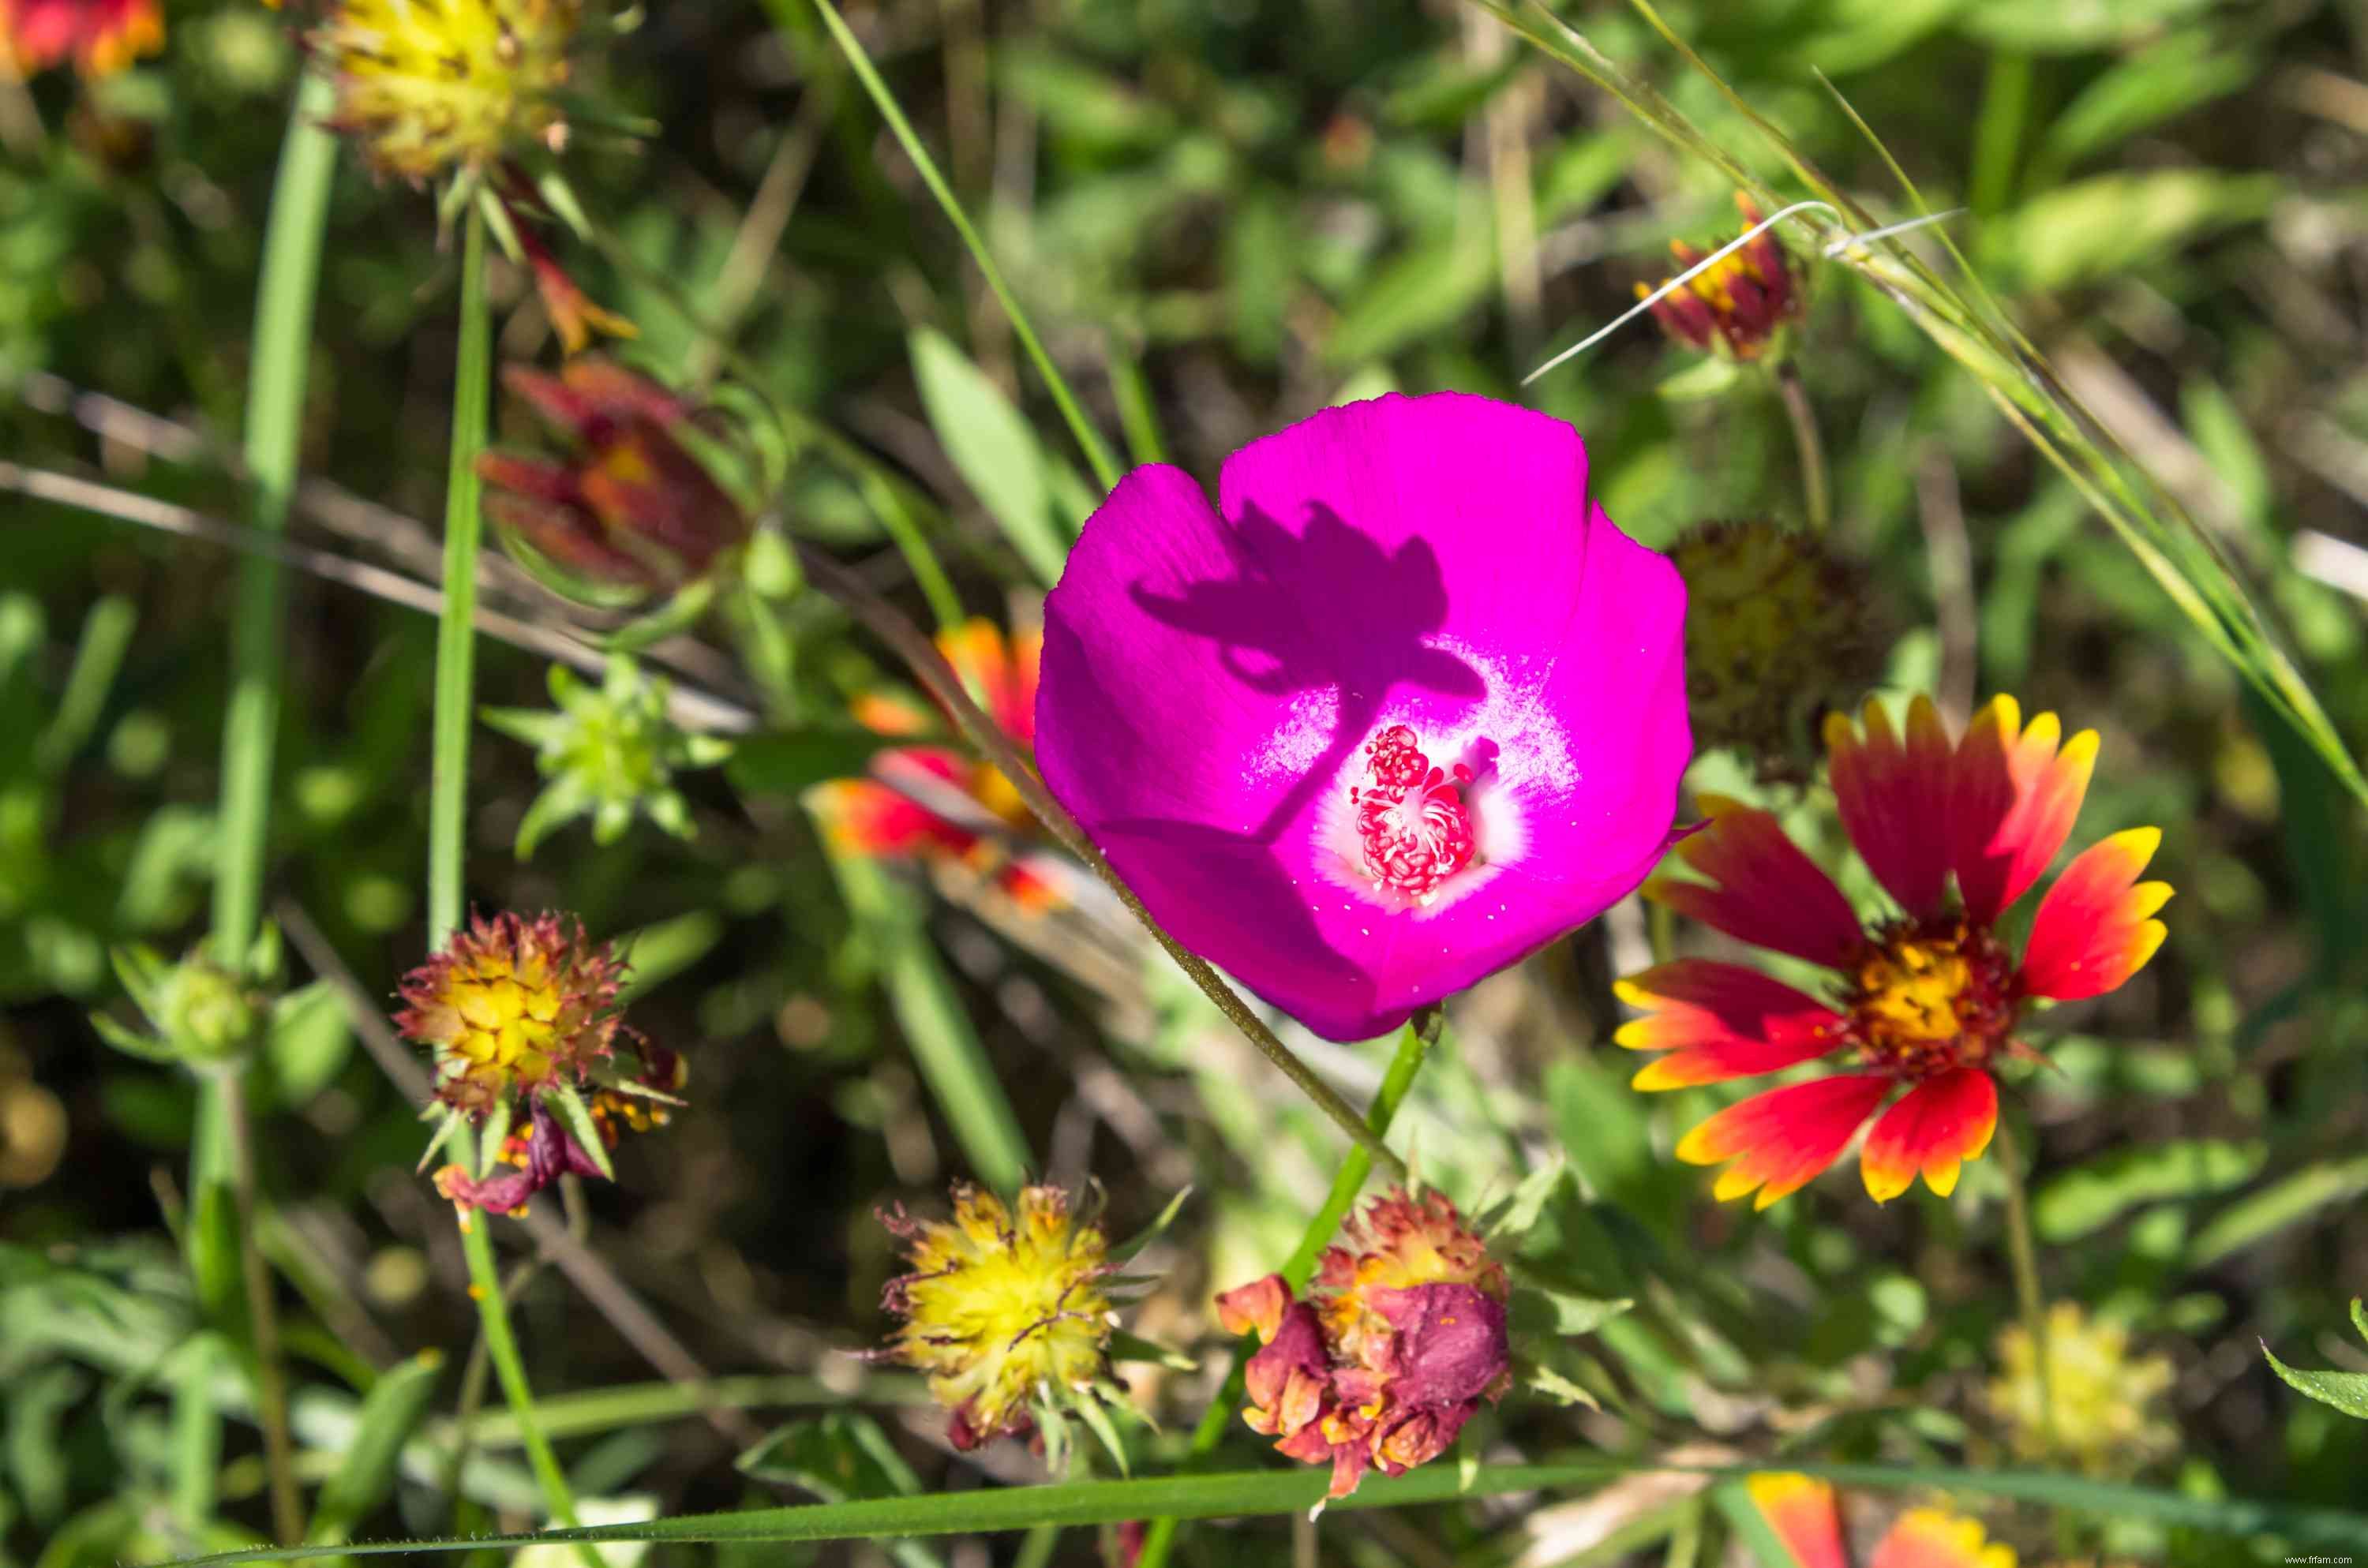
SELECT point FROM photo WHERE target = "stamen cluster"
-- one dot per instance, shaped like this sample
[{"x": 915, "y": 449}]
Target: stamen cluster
[
  {"x": 1411, "y": 816},
  {"x": 1931, "y": 998}
]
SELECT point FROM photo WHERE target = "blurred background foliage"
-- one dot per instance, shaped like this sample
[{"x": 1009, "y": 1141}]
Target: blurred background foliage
[{"x": 1223, "y": 214}]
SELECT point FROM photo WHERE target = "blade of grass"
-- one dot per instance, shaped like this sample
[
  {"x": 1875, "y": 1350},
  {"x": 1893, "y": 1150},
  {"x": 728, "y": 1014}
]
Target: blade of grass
[
  {"x": 1248, "y": 1494},
  {"x": 275, "y": 418},
  {"x": 1414, "y": 1046},
  {"x": 1089, "y": 440},
  {"x": 945, "y": 1047}
]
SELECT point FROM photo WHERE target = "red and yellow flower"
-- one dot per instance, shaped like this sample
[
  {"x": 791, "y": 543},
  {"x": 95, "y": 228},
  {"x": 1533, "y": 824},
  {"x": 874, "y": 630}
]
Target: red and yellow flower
[
  {"x": 1401, "y": 1339},
  {"x": 931, "y": 803},
  {"x": 101, "y": 37},
  {"x": 1740, "y": 305},
  {"x": 520, "y": 1014},
  {"x": 1807, "y": 1516},
  {"x": 1927, "y": 1001}
]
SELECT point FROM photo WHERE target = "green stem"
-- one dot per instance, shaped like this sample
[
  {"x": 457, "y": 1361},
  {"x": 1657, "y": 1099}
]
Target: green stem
[
  {"x": 1089, "y": 441},
  {"x": 2025, "y": 1255},
  {"x": 1414, "y": 1046},
  {"x": 448, "y": 810},
  {"x": 275, "y": 421},
  {"x": 1803, "y": 417},
  {"x": 935, "y": 585},
  {"x": 929, "y": 666},
  {"x": 456, "y": 637},
  {"x": 1997, "y": 133}
]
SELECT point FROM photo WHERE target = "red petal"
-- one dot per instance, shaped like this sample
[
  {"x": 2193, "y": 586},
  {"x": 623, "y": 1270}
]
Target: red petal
[
  {"x": 1780, "y": 1141},
  {"x": 1894, "y": 799},
  {"x": 2095, "y": 928},
  {"x": 1938, "y": 1126},
  {"x": 1804, "y": 1514},
  {"x": 1720, "y": 1021},
  {"x": 1763, "y": 889},
  {"x": 2012, "y": 800}
]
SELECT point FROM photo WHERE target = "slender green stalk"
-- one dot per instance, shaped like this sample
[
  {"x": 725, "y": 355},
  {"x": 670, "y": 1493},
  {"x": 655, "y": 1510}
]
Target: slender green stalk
[
  {"x": 1136, "y": 415},
  {"x": 935, "y": 585},
  {"x": 945, "y": 1047},
  {"x": 263, "y": 1320},
  {"x": 1997, "y": 133},
  {"x": 1089, "y": 440},
  {"x": 456, "y": 635},
  {"x": 275, "y": 419},
  {"x": 1414, "y": 1046},
  {"x": 1803, "y": 417},
  {"x": 889, "y": 624},
  {"x": 448, "y": 810},
  {"x": 2025, "y": 1257}
]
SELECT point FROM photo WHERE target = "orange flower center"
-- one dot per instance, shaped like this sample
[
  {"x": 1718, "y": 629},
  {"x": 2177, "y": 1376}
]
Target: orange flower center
[{"x": 1931, "y": 998}]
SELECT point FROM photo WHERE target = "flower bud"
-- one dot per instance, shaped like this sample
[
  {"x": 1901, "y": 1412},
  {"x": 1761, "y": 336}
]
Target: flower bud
[
  {"x": 630, "y": 512},
  {"x": 1739, "y": 306}
]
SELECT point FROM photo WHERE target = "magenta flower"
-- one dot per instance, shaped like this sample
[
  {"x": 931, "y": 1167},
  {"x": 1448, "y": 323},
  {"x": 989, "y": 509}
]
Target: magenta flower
[{"x": 1404, "y": 707}]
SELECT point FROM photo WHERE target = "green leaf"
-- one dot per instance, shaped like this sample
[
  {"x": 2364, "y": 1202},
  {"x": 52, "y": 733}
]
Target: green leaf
[
  {"x": 1519, "y": 1213},
  {"x": 577, "y": 1118},
  {"x": 1293, "y": 1491},
  {"x": 306, "y": 1044},
  {"x": 2093, "y": 1195},
  {"x": 1707, "y": 376},
  {"x": 1423, "y": 291},
  {"x": 2099, "y": 227},
  {"x": 1547, "y": 1384},
  {"x": 1125, "y": 1346},
  {"x": 1149, "y": 1233},
  {"x": 1539, "y": 1311},
  {"x": 2172, "y": 76},
  {"x": 791, "y": 762},
  {"x": 997, "y": 453},
  {"x": 2347, "y": 1391},
  {"x": 364, "y": 1479},
  {"x": 2260, "y": 1215}
]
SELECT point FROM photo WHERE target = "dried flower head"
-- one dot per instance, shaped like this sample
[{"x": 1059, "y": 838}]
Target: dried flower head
[
  {"x": 1779, "y": 630},
  {"x": 1008, "y": 1314},
  {"x": 101, "y": 37},
  {"x": 1736, "y": 307},
  {"x": 1402, "y": 1337},
  {"x": 1929, "y": 1001},
  {"x": 428, "y": 86},
  {"x": 630, "y": 512},
  {"x": 1805, "y": 1515},
  {"x": 512, "y": 1007},
  {"x": 522, "y": 1016},
  {"x": 2106, "y": 1402}
]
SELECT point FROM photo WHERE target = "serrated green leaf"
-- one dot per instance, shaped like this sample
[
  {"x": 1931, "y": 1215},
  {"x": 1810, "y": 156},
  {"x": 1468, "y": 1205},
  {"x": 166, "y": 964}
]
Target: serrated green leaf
[{"x": 2347, "y": 1391}]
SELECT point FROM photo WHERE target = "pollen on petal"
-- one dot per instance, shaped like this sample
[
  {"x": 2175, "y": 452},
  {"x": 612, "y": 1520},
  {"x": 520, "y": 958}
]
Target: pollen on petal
[
  {"x": 1892, "y": 794},
  {"x": 1720, "y": 1021},
  {"x": 2096, "y": 927},
  {"x": 2013, "y": 795},
  {"x": 1933, "y": 1129},
  {"x": 1763, "y": 889},
  {"x": 1781, "y": 1140},
  {"x": 1804, "y": 1514}
]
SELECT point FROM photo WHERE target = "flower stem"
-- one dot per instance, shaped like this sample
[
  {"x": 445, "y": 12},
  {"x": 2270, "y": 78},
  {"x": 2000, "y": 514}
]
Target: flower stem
[
  {"x": 456, "y": 636},
  {"x": 1811, "y": 447},
  {"x": 220, "y": 1149},
  {"x": 263, "y": 1320},
  {"x": 1414, "y": 1047},
  {"x": 2025, "y": 1255},
  {"x": 1089, "y": 440},
  {"x": 448, "y": 810},
  {"x": 891, "y": 625}
]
